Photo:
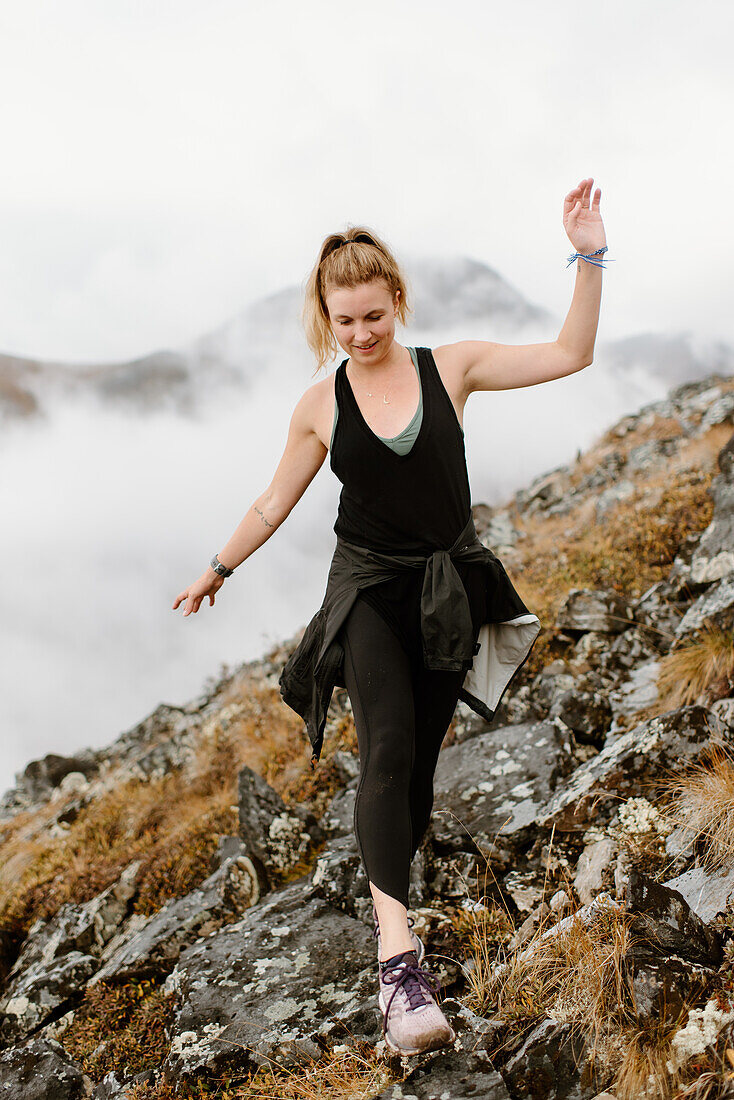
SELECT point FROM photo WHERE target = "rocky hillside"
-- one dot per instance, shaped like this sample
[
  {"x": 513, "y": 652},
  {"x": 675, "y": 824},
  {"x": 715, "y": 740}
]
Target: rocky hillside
[{"x": 184, "y": 913}]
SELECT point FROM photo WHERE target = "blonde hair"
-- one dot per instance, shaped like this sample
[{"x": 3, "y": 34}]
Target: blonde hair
[{"x": 365, "y": 257}]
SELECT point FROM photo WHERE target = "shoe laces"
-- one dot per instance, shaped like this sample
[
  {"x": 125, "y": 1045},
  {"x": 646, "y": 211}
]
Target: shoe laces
[{"x": 414, "y": 981}]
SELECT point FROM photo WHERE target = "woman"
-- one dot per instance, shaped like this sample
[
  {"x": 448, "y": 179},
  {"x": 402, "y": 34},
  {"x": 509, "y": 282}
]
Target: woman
[{"x": 417, "y": 612}]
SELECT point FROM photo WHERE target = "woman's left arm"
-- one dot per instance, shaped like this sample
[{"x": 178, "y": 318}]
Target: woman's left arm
[{"x": 489, "y": 366}]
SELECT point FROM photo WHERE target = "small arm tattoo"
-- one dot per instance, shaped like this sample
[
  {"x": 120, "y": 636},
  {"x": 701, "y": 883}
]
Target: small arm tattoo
[{"x": 262, "y": 517}]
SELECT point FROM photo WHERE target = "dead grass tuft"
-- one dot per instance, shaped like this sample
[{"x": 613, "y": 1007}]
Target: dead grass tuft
[
  {"x": 703, "y": 665},
  {"x": 702, "y": 801}
]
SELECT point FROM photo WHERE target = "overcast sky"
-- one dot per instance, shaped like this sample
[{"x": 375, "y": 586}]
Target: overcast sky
[{"x": 164, "y": 163}]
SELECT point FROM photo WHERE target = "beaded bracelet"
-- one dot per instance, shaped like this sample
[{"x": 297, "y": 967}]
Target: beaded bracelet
[{"x": 596, "y": 263}]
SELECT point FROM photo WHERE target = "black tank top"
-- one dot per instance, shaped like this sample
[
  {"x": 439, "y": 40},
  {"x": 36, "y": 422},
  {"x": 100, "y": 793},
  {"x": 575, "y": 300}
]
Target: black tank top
[
  {"x": 402, "y": 504},
  {"x": 405, "y": 504}
]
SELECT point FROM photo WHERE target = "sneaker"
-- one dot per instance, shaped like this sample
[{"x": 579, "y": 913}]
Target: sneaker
[
  {"x": 417, "y": 941},
  {"x": 412, "y": 1021}
]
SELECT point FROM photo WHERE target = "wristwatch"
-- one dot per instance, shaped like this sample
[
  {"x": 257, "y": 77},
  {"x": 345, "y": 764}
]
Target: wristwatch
[{"x": 219, "y": 568}]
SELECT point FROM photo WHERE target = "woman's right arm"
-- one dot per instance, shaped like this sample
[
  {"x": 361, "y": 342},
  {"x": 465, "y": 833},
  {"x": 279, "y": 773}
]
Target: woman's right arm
[{"x": 303, "y": 456}]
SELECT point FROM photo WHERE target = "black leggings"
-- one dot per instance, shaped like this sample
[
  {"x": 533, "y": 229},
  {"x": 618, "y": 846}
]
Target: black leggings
[{"x": 402, "y": 711}]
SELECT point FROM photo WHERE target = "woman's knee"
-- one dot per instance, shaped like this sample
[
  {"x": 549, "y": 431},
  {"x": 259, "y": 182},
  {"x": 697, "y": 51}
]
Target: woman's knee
[{"x": 389, "y": 763}]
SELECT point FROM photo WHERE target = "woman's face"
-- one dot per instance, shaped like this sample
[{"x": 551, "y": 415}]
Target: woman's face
[{"x": 363, "y": 319}]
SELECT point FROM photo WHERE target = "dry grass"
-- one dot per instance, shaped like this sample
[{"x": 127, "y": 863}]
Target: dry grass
[
  {"x": 703, "y": 665},
  {"x": 125, "y": 1029},
  {"x": 354, "y": 1074},
  {"x": 702, "y": 800},
  {"x": 627, "y": 552},
  {"x": 642, "y": 1074},
  {"x": 578, "y": 974},
  {"x": 121, "y": 1028},
  {"x": 171, "y": 823}
]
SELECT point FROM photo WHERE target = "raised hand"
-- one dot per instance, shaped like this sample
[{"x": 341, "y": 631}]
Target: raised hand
[{"x": 582, "y": 220}]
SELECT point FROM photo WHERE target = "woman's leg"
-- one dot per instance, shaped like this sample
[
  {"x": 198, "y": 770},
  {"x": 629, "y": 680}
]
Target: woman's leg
[
  {"x": 435, "y": 696},
  {"x": 377, "y": 675}
]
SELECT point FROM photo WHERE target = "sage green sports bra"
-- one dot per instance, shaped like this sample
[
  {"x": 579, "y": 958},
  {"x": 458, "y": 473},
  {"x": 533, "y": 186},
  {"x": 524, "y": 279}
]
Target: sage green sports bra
[{"x": 402, "y": 442}]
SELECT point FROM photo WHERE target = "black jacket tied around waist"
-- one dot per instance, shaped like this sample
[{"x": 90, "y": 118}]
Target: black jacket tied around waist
[{"x": 505, "y": 640}]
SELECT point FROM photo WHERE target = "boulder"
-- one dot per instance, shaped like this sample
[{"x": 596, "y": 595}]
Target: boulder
[
  {"x": 708, "y": 893},
  {"x": 665, "y": 925},
  {"x": 458, "y": 1075},
  {"x": 496, "y": 783},
  {"x": 589, "y": 609},
  {"x": 628, "y": 765},
  {"x": 150, "y": 945},
  {"x": 554, "y": 1063},
  {"x": 41, "y": 1070},
  {"x": 276, "y": 836},
  {"x": 42, "y": 993},
  {"x": 292, "y": 974}
]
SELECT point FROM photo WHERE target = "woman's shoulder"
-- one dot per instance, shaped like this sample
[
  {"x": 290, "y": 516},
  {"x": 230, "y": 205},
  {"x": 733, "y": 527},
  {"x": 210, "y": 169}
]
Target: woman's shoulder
[{"x": 317, "y": 404}]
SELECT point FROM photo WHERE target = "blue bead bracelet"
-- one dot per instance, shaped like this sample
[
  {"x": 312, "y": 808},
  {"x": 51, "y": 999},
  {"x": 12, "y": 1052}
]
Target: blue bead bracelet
[{"x": 596, "y": 263}]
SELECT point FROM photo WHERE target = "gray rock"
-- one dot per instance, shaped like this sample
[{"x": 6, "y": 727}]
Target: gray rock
[
  {"x": 653, "y": 454},
  {"x": 628, "y": 764},
  {"x": 551, "y": 684},
  {"x": 587, "y": 609},
  {"x": 112, "y": 1088},
  {"x": 622, "y": 490},
  {"x": 586, "y": 712},
  {"x": 719, "y": 412},
  {"x": 717, "y": 604},
  {"x": 707, "y": 892},
  {"x": 338, "y": 819},
  {"x": 724, "y": 711},
  {"x": 455, "y": 1075},
  {"x": 594, "y": 864},
  {"x": 664, "y": 924},
  {"x": 41, "y": 776},
  {"x": 347, "y": 765},
  {"x": 658, "y": 614},
  {"x": 151, "y": 945},
  {"x": 640, "y": 690},
  {"x": 39, "y": 992},
  {"x": 554, "y": 1063},
  {"x": 714, "y": 555},
  {"x": 290, "y": 972},
  {"x": 524, "y": 889},
  {"x": 546, "y": 490},
  {"x": 277, "y": 836},
  {"x": 496, "y": 783},
  {"x": 84, "y": 928},
  {"x": 661, "y": 989},
  {"x": 605, "y": 472},
  {"x": 42, "y": 1070},
  {"x": 500, "y": 532},
  {"x": 339, "y": 878}
]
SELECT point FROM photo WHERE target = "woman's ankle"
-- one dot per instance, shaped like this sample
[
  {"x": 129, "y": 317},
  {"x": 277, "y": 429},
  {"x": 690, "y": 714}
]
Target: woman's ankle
[{"x": 389, "y": 951}]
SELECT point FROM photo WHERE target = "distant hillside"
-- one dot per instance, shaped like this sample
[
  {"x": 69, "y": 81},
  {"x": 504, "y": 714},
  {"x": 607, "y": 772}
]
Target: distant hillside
[{"x": 266, "y": 339}]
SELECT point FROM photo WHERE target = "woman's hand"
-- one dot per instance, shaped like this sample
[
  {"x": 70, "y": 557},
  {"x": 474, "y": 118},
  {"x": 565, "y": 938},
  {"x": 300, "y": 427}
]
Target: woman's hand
[
  {"x": 207, "y": 585},
  {"x": 582, "y": 220}
]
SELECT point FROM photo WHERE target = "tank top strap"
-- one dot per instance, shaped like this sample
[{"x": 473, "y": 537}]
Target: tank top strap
[{"x": 433, "y": 382}]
